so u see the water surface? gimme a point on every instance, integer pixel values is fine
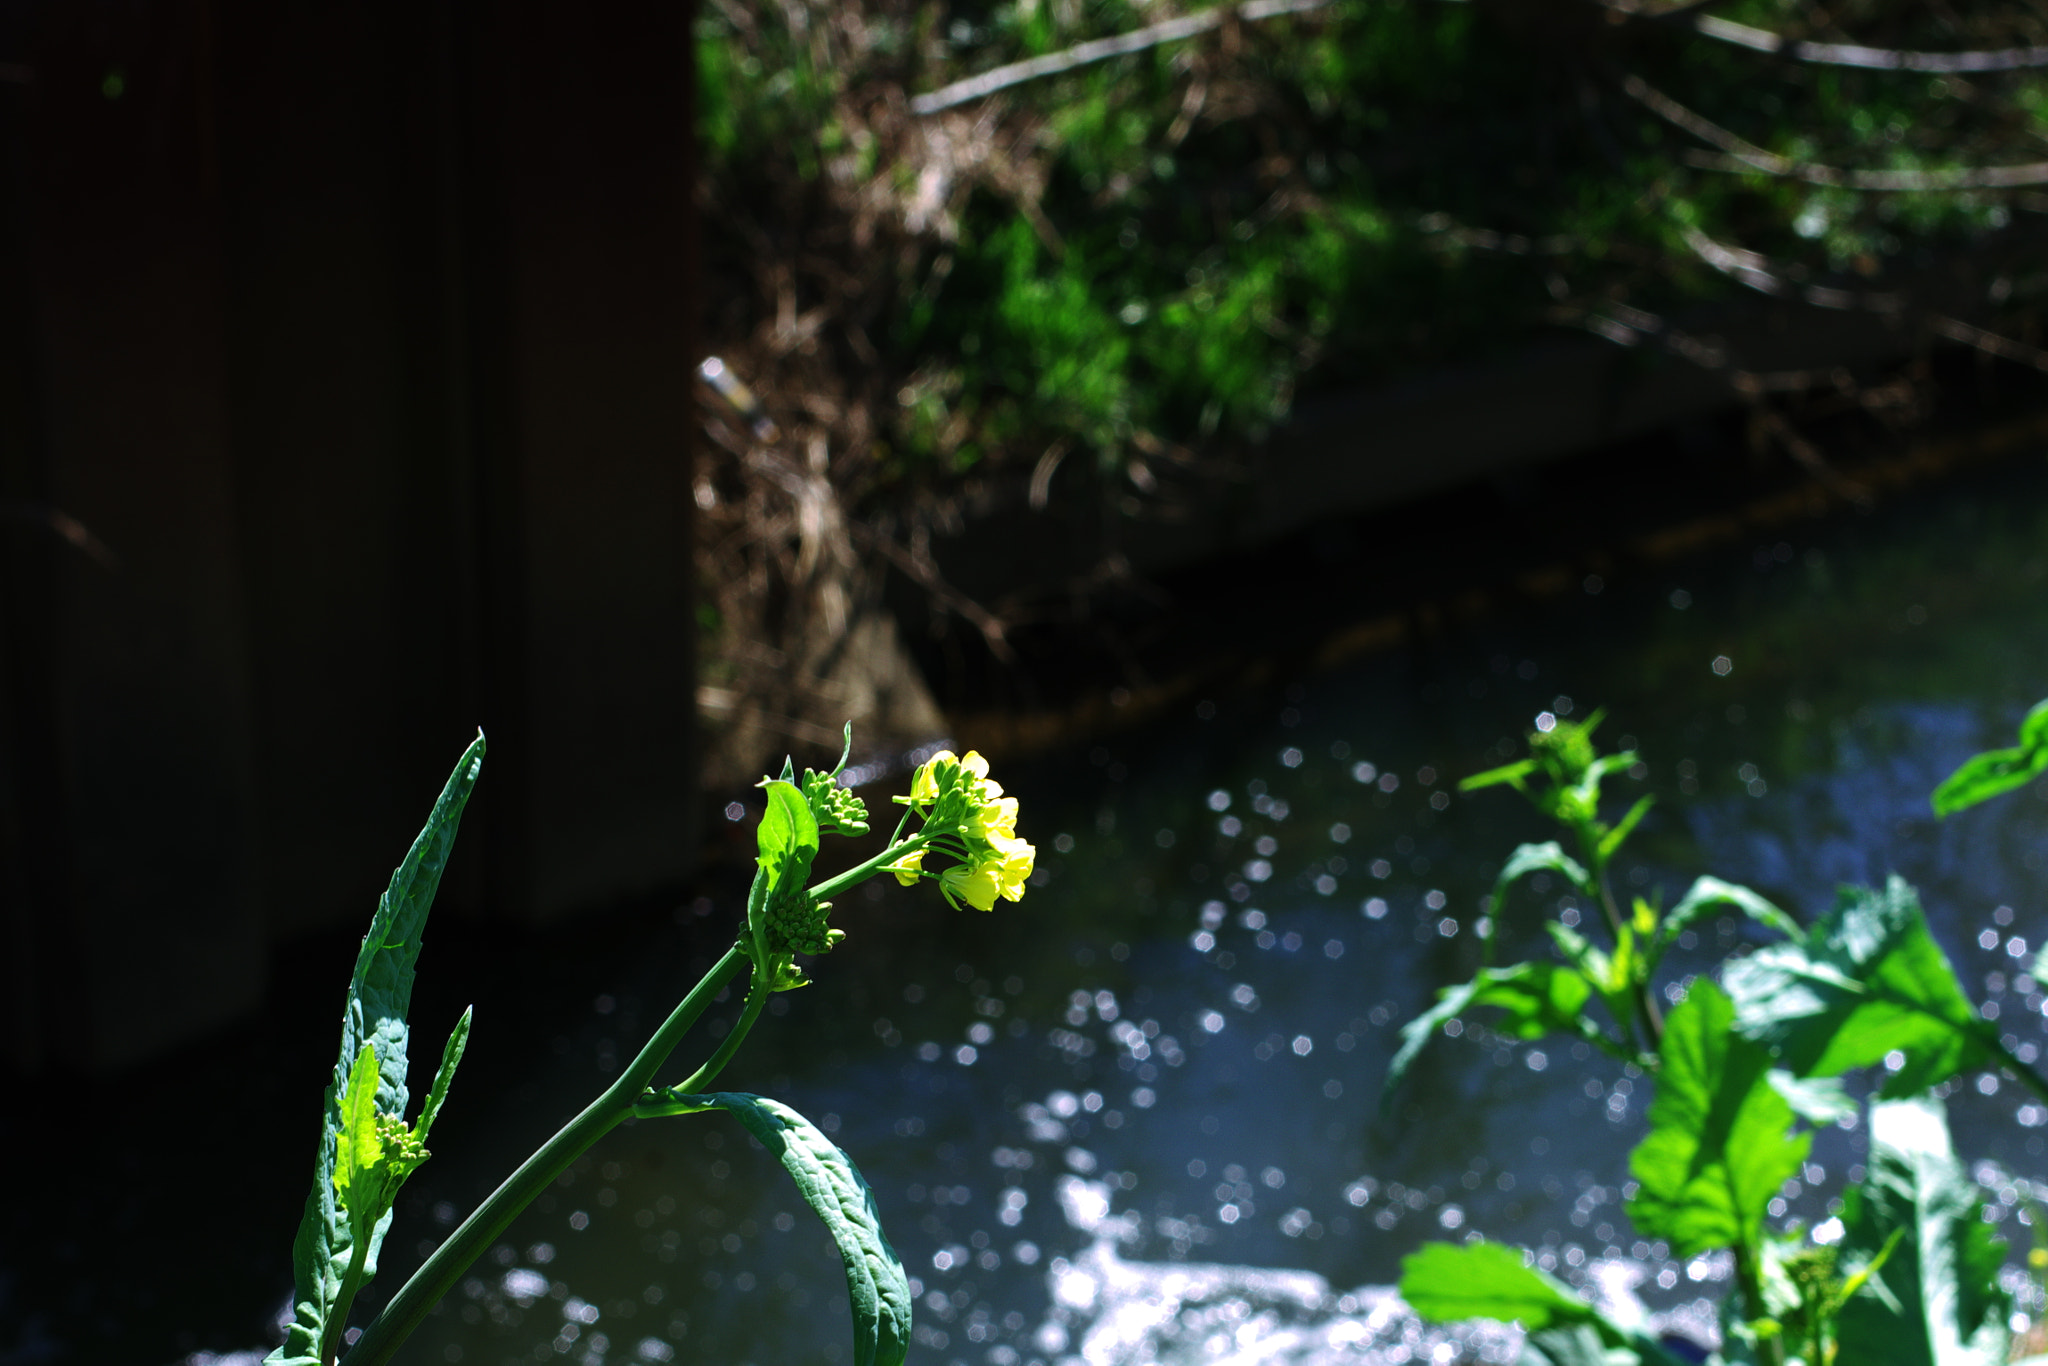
(1137, 1116)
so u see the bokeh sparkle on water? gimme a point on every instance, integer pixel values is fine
(1136, 1118)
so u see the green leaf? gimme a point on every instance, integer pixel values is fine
(1548, 857)
(451, 1057)
(1987, 775)
(1718, 1147)
(1624, 827)
(1538, 998)
(1447, 1283)
(788, 834)
(833, 1187)
(356, 1148)
(1710, 894)
(1867, 980)
(1942, 1305)
(1451, 1282)
(1506, 773)
(379, 992)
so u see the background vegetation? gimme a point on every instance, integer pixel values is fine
(1106, 276)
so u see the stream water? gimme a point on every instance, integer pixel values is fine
(1136, 1118)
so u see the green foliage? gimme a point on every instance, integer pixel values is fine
(1449, 1282)
(1938, 1302)
(832, 1186)
(330, 1251)
(1173, 244)
(781, 914)
(1537, 999)
(1708, 895)
(1987, 775)
(1719, 1144)
(368, 1150)
(1866, 981)
(1738, 1069)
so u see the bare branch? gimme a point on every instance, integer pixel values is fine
(1762, 275)
(1873, 58)
(1990, 343)
(1101, 49)
(1749, 156)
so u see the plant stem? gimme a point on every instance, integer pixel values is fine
(1770, 1350)
(1646, 1001)
(757, 996)
(861, 872)
(439, 1273)
(351, 1282)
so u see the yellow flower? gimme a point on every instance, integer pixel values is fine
(978, 787)
(907, 868)
(996, 821)
(979, 887)
(924, 785)
(1014, 870)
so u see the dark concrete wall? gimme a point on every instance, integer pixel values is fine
(344, 406)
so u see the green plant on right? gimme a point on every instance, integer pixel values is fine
(1744, 1069)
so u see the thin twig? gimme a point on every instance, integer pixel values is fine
(1749, 156)
(1101, 49)
(1873, 58)
(926, 575)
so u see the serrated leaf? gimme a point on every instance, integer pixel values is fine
(1451, 1282)
(1867, 980)
(1719, 1146)
(1987, 775)
(379, 992)
(1537, 998)
(356, 1148)
(831, 1184)
(1710, 894)
(1942, 1305)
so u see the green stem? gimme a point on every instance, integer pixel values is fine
(1770, 1350)
(1646, 1000)
(441, 1270)
(351, 1282)
(861, 872)
(757, 996)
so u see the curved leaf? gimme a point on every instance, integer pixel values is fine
(833, 1187)
(1539, 999)
(1449, 1282)
(379, 992)
(1709, 894)
(1987, 775)
(1547, 857)
(1446, 1283)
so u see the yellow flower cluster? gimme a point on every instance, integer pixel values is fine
(958, 792)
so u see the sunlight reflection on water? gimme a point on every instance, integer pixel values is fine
(1136, 1118)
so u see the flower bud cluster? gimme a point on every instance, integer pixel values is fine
(836, 809)
(796, 924)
